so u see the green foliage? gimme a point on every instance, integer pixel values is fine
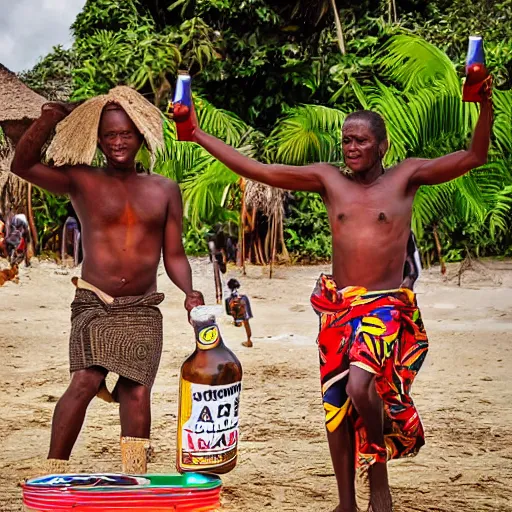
(137, 57)
(270, 80)
(195, 239)
(309, 133)
(447, 24)
(307, 232)
(52, 76)
(50, 213)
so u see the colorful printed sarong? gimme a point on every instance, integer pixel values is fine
(382, 333)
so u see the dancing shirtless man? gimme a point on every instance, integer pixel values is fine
(372, 341)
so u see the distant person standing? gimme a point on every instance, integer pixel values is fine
(71, 241)
(239, 307)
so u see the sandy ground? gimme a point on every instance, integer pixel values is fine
(463, 392)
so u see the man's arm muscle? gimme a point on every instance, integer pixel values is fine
(27, 157)
(309, 178)
(449, 167)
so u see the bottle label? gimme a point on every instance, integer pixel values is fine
(207, 425)
(208, 337)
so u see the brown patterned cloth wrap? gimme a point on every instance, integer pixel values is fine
(123, 335)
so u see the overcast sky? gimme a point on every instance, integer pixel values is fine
(30, 28)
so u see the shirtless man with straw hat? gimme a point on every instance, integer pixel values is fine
(128, 221)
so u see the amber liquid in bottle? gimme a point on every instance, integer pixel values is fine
(208, 415)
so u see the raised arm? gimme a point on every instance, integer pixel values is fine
(309, 178)
(449, 167)
(27, 157)
(176, 262)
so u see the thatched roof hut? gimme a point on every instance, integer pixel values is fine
(17, 101)
(19, 106)
(263, 200)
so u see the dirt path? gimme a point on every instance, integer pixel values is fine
(464, 392)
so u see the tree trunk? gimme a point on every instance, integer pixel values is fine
(339, 29)
(31, 220)
(273, 244)
(241, 232)
(392, 14)
(284, 250)
(439, 252)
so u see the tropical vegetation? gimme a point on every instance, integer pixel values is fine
(276, 79)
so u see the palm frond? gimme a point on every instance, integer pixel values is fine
(221, 123)
(482, 198)
(495, 182)
(309, 133)
(414, 64)
(415, 120)
(498, 217)
(430, 204)
(206, 192)
(503, 120)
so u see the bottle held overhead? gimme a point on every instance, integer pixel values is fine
(476, 70)
(182, 108)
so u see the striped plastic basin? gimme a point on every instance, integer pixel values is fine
(106, 492)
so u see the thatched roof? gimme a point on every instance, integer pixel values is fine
(17, 101)
(265, 199)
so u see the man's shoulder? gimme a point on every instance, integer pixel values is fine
(161, 181)
(82, 170)
(327, 167)
(410, 163)
(160, 184)
(405, 168)
(328, 172)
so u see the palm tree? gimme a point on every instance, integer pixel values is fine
(425, 117)
(212, 193)
(418, 92)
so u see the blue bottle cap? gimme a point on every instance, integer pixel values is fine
(183, 93)
(475, 51)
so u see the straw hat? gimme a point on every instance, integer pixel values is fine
(76, 138)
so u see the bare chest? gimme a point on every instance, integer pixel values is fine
(384, 206)
(110, 203)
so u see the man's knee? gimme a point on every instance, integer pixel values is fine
(133, 391)
(358, 385)
(85, 384)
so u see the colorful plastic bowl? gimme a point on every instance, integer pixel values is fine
(109, 492)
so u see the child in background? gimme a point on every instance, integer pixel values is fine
(239, 307)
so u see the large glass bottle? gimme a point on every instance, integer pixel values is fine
(209, 398)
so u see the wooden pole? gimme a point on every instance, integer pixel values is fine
(241, 236)
(31, 221)
(439, 252)
(272, 224)
(217, 279)
(273, 243)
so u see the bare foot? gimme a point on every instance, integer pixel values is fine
(247, 344)
(380, 495)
